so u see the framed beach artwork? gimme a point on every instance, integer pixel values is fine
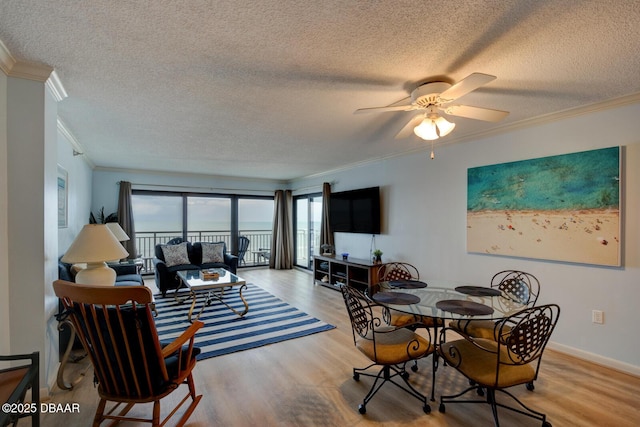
(561, 208)
(63, 197)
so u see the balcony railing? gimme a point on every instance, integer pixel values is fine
(146, 242)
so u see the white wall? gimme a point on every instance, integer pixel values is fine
(4, 230)
(80, 183)
(31, 215)
(424, 223)
(50, 237)
(79, 176)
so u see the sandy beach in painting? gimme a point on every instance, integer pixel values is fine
(585, 236)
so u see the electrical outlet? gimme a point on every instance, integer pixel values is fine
(597, 316)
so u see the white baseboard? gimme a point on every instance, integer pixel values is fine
(607, 362)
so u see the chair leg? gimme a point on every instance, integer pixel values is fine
(435, 362)
(192, 387)
(189, 411)
(362, 371)
(454, 398)
(97, 419)
(386, 375)
(491, 399)
(527, 411)
(155, 421)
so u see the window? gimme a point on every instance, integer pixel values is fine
(158, 219)
(161, 216)
(255, 221)
(209, 219)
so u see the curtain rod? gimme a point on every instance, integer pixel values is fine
(317, 187)
(197, 187)
(312, 187)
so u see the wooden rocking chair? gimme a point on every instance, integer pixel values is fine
(117, 329)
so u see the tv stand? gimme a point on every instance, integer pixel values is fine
(334, 272)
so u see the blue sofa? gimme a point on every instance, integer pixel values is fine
(166, 277)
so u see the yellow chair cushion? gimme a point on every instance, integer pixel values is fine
(487, 329)
(394, 346)
(400, 320)
(481, 366)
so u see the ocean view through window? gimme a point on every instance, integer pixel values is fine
(161, 216)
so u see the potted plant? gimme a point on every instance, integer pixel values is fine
(102, 219)
(377, 254)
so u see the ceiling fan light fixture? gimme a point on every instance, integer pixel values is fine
(444, 126)
(433, 127)
(426, 129)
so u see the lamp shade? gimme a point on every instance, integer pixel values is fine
(433, 127)
(444, 126)
(94, 245)
(426, 129)
(117, 231)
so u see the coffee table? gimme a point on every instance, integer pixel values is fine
(214, 288)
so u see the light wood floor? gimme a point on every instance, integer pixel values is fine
(308, 382)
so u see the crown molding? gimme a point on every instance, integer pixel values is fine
(55, 86)
(191, 175)
(622, 101)
(37, 72)
(7, 61)
(77, 148)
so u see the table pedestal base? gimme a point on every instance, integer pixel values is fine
(211, 296)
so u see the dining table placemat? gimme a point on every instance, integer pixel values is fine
(479, 291)
(398, 298)
(407, 284)
(466, 308)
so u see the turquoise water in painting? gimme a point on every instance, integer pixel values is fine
(586, 180)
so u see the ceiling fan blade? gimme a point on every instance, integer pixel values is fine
(385, 109)
(407, 130)
(466, 85)
(477, 113)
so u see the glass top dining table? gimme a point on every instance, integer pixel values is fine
(446, 300)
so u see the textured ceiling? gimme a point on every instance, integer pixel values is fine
(268, 88)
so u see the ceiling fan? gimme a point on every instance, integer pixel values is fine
(433, 97)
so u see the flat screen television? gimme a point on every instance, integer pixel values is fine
(355, 211)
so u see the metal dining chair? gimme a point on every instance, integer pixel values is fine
(402, 271)
(517, 286)
(513, 358)
(386, 346)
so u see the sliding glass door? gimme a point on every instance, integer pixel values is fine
(158, 219)
(162, 216)
(209, 219)
(255, 222)
(307, 216)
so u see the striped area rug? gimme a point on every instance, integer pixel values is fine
(269, 320)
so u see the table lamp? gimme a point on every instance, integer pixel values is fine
(117, 231)
(95, 244)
